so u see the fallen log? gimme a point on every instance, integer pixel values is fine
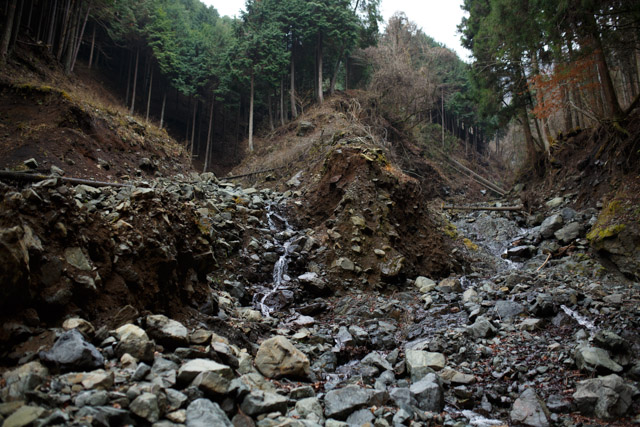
(483, 208)
(484, 184)
(224, 178)
(32, 177)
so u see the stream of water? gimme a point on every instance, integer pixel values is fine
(276, 223)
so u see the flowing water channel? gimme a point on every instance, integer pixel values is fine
(284, 236)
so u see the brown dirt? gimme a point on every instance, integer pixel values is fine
(76, 124)
(346, 170)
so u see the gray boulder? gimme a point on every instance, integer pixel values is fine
(550, 225)
(530, 410)
(146, 406)
(568, 233)
(167, 332)
(481, 328)
(205, 413)
(605, 397)
(260, 402)
(277, 357)
(595, 359)
(72, 353)
(420, 363)
(508, 309)
(340, 403)
(428, 393)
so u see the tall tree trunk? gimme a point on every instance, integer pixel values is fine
(612, 106)
(164, 102)
(67, 58)
(16, 26)
(29, 17)
(282, 101)
(193, 129)
(135, 83)
(270, 112)
(53, 25)
(566, 108)
(319, 66)
(336, 70)
(93, 44)
(292, 90)
(6, 35)
(126, 99)
(208, 149)
(251, 114)
(77, 49)
(442, 114)
(149, 96)
(39, 33)
(346, 73)
(64, 30)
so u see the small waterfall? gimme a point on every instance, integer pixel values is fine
(277, 222)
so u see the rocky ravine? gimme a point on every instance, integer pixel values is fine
(148, 335)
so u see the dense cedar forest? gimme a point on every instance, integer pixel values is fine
(540, 67)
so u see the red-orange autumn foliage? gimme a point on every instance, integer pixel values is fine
(551, 87)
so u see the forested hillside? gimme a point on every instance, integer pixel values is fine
(305, 216)
(213, 80)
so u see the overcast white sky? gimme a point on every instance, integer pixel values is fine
(437, 18)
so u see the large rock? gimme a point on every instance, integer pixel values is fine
(205, 413)
(568, 233)
(508, 309)
(595, 359)
(420, 363)
(605, 397)
(260, 402)
(530, 410)
(134, 341)
(342, 402)
(193, 368)
(72, 353)
(167, 332)
(21, 380)
(24, 416)
(428, 393)
(481, 328)
(146, 406)
(550, 225)
(277, 358)
(14, 267)
(310, 409)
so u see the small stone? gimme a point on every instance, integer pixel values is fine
(449, 285)
(76, 258)
(31, 163)
(193, 368)
(80, 324)
(345, 264)
(259, 402)
(424, 284)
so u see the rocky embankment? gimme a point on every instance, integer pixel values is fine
(195, 302)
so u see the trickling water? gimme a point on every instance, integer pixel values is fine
(277, 222)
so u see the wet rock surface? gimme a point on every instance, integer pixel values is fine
(214, 310)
